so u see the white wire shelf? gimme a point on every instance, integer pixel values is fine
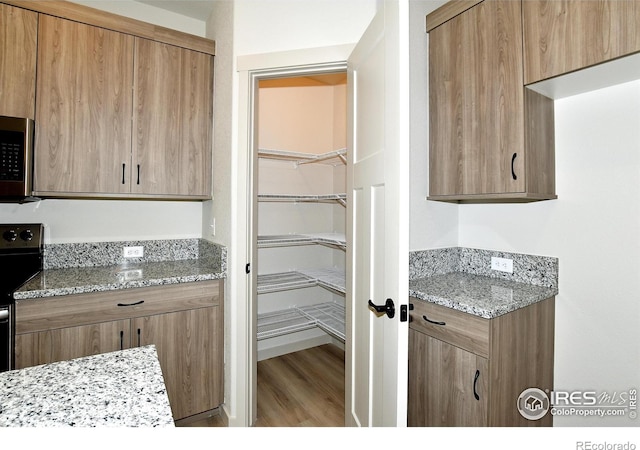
(325, 198)
(329, 278)
(286, 240)
(329, 317)
(335, 157)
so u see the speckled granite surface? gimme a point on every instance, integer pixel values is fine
(96, 254)
(200, 261)
(118, 389)
(462, 279)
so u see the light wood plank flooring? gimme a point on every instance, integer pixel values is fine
(301, 389)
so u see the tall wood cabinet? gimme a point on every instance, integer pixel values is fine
(184, 322)
(18, 37)
(172, 119)
(465, 370)
(83, 119)
(562, 36)
(489, 137)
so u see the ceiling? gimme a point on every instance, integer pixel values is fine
(197, 9)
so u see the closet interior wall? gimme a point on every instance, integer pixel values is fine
(305, 116)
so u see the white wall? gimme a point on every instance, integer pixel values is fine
(594, 229)
(148, 13)
(112, 220)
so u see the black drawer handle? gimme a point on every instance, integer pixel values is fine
(433, 321)
(513, 172)
(131, 304)
(475, 383)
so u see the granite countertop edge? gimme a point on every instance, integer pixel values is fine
(102, 279)
(472, 302)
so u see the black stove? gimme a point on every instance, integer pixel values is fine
(21, 254)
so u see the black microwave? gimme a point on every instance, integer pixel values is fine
(16, 159)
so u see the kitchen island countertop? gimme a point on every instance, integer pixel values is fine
(118, 389)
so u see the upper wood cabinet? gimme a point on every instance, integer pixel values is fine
(562, 36)
(172, 120)
(18, 37)
(123, 109)
(489, 137)
(83, 119)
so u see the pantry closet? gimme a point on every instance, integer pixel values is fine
(301, 213)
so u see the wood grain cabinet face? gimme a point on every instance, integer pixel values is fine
(485, 140)
(446, 385)
(562, 36)
(18, 37)
(184, 322)
(474, 378)
(119, 116)
(173, 116)
(83, 124)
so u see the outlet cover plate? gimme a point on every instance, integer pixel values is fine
(502, 264)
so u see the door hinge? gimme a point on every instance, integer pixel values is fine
(247, 268)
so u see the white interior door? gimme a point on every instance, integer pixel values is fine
(378, 220)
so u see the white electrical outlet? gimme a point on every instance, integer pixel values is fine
(213, 227)
(502, 264)
(133, 252)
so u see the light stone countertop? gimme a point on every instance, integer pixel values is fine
(478, 295)
(81, 280)
(117, 389)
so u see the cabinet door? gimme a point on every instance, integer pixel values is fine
(73, 342)
(18, 32)
(173, 119)
(83, 119)
(189, 349)
(561, 36)
(443, 383)
(477, 102)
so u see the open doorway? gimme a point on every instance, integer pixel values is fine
(299, 246)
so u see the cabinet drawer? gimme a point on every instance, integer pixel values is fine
(461, 329)
(82, 309)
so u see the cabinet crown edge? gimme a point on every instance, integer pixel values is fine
(104, 19)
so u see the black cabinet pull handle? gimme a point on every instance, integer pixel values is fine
(121, 340)
(475, 382)
(138, 337)
(433, 321)
(138, 182)
(123, 169)
(131, 304)
(388, 308)
(513, 172)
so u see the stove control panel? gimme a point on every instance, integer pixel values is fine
(21, 236)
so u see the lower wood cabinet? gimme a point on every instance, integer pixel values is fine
(183, 321)
(468, 371)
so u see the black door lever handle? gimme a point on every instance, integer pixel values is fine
(388, 308)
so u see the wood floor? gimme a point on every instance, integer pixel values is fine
(301, 389)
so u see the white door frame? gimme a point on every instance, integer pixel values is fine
(251, 69)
